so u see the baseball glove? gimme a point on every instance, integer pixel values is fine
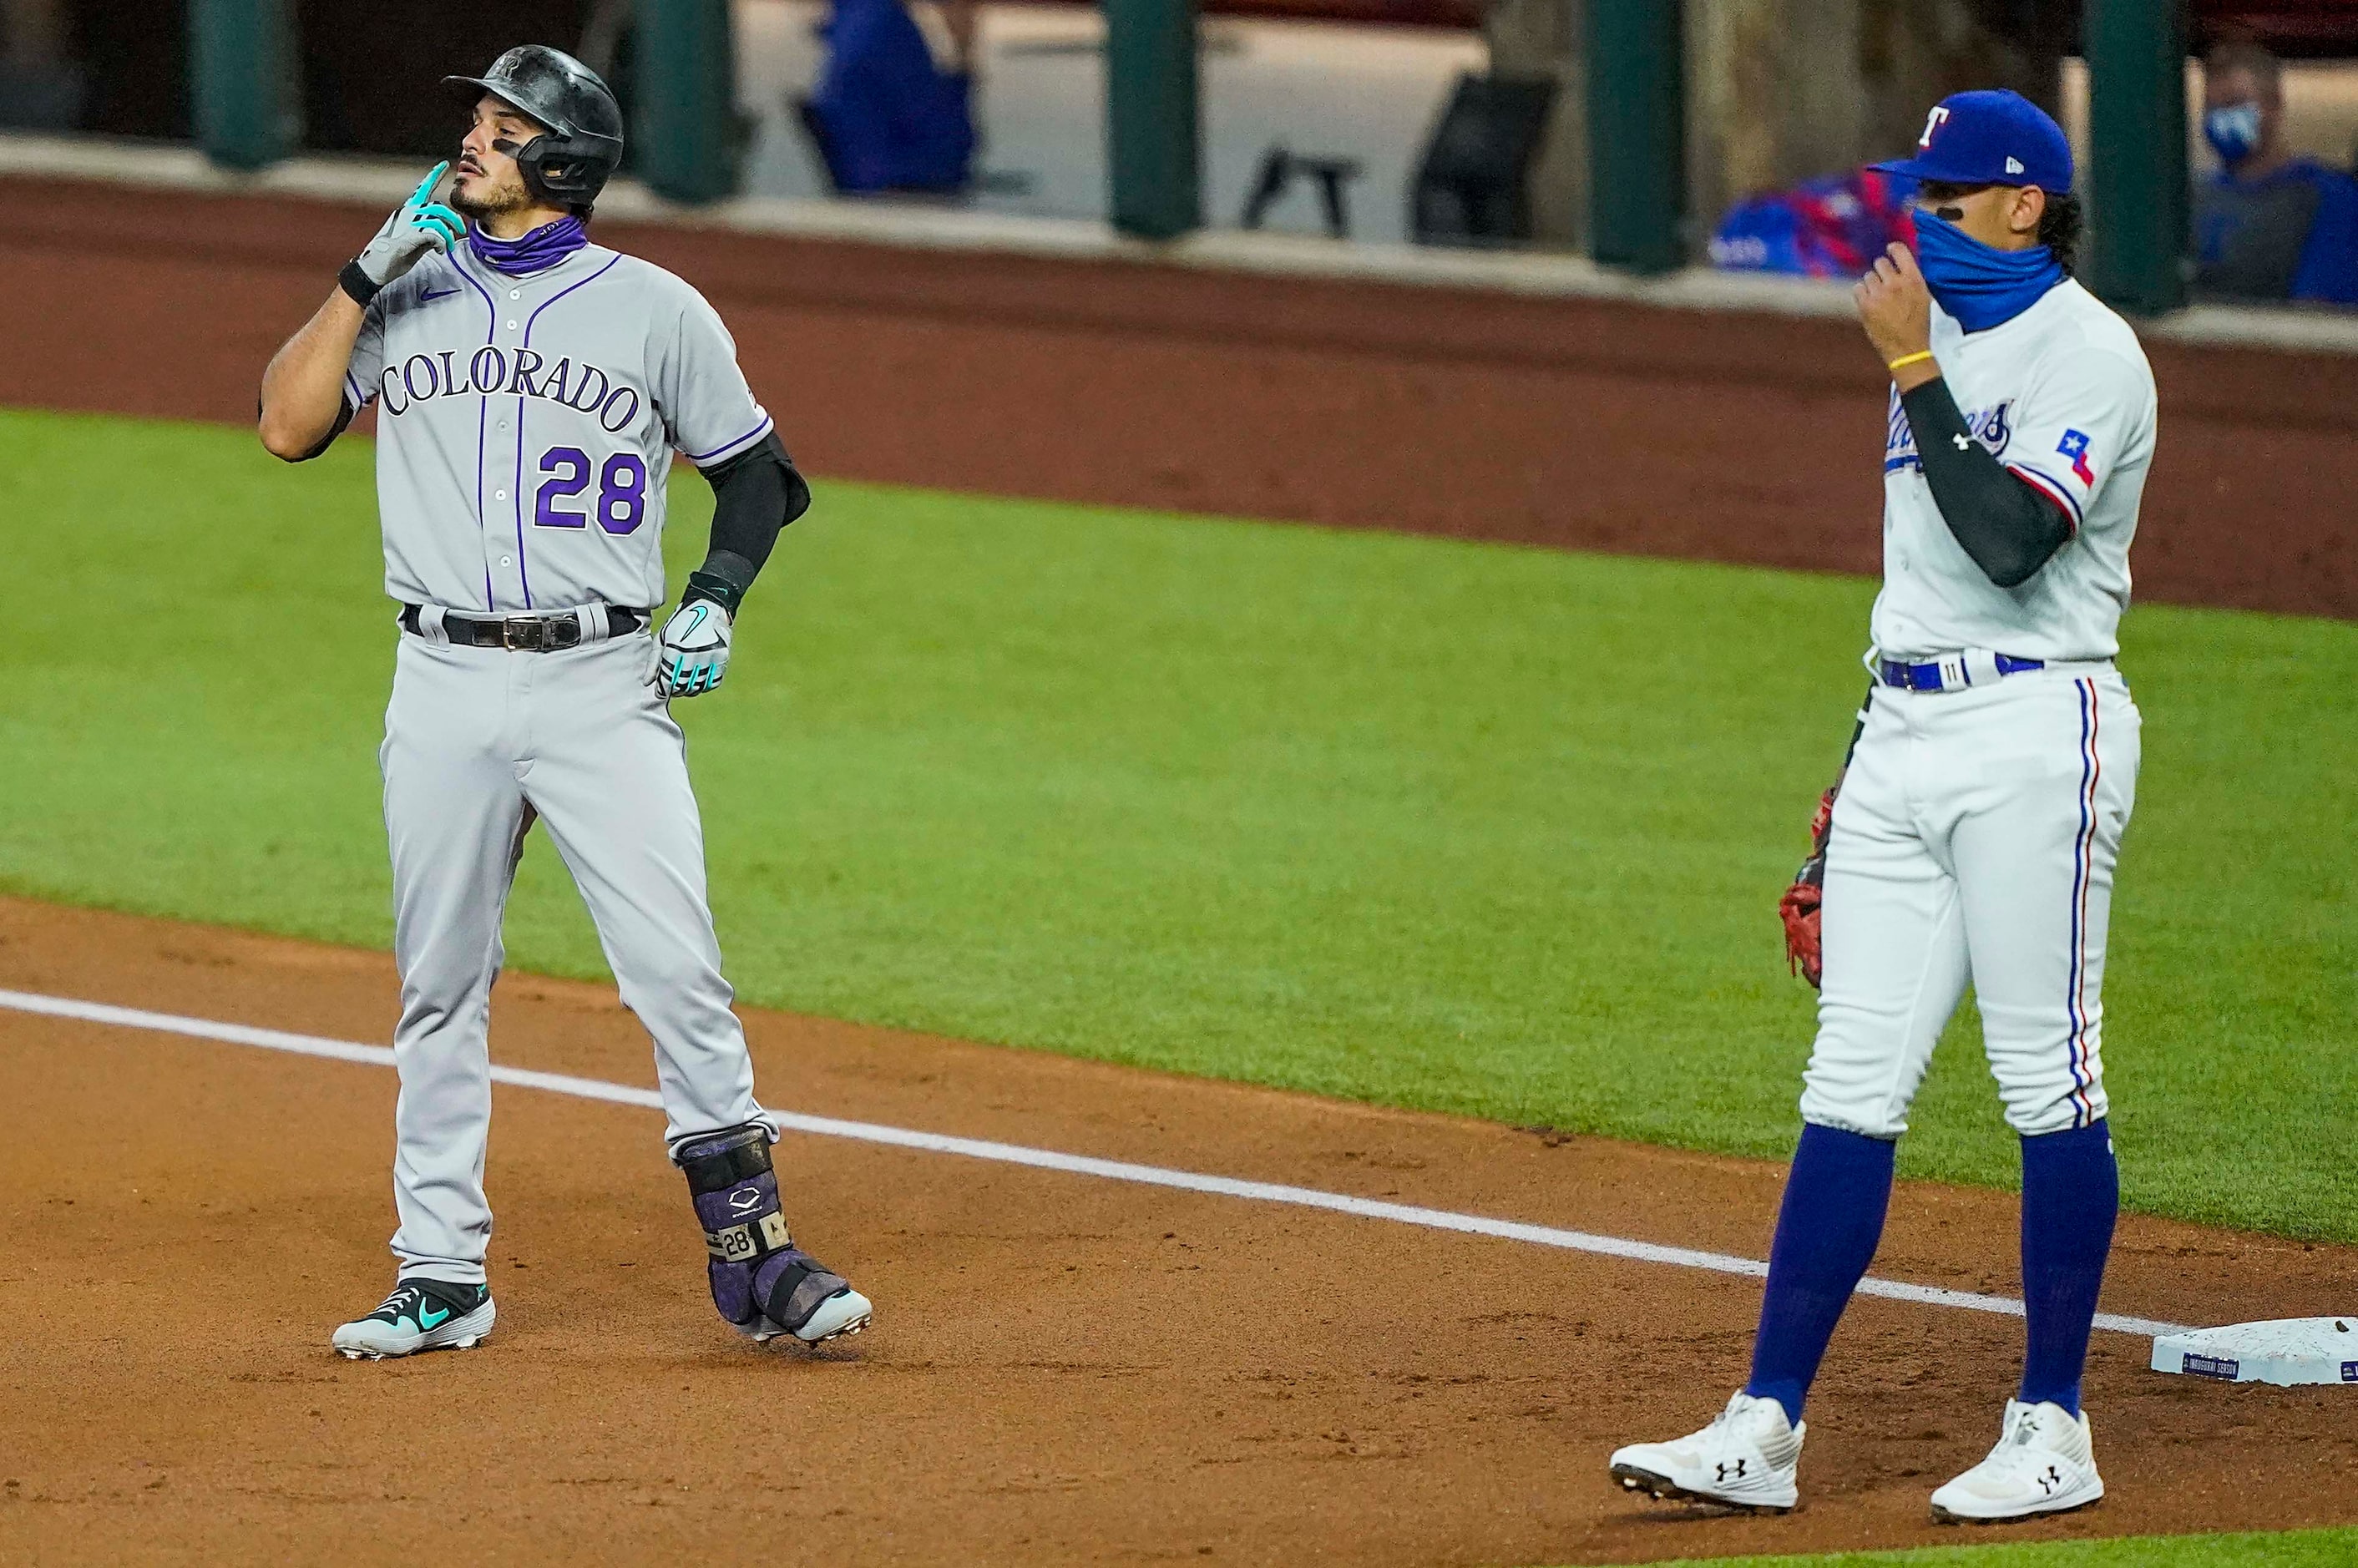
(1799, 908)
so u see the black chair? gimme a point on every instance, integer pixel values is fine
(1472, 185)
(1278, 167)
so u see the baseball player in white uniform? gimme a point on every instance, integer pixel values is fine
(530, 389)
(1974, 832)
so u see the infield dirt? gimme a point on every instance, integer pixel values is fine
(1063, 1368)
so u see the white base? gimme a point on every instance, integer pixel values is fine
(2284, 1351)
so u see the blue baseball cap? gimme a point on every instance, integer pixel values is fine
(1989, 137)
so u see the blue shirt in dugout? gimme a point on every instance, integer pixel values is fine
(2291, 234)
(891, 119)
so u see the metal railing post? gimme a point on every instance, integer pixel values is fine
(684, 140)
(242, 80)
(1152, 118)
(2137, 195)
(1637, 134)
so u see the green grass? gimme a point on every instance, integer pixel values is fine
(2291, 1549)
(1441, 825)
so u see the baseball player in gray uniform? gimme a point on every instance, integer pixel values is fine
(532, 387)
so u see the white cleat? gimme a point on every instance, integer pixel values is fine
(2045, 1462)
(841, 1315)
(1744, 1459)
(421, 1314)
(844, 1312)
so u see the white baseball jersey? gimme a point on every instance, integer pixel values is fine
(1977, 827)
(2062, 395)
(525, 427)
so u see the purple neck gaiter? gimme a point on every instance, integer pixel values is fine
(543, 248)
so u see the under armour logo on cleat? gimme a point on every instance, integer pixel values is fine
(1722, 1469)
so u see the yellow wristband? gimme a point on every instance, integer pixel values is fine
(1904, 360)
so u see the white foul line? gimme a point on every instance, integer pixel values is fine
(1052, 1159)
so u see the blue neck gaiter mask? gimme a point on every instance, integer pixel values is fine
(543, 248)
(1980, 285)
(2234, 132)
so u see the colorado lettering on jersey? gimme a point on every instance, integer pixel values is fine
(1992, 426)
(528, 419)
(457, 372)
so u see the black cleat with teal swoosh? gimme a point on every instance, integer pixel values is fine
(420, 1314)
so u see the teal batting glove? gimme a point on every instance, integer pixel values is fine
(417, 225)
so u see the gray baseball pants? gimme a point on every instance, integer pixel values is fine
(478, 744)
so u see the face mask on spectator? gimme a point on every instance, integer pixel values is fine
(1980, 285)
(2233, 132)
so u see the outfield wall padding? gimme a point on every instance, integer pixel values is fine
(1572, 423)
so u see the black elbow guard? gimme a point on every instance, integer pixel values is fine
(769, 452)
(798, 495)
(749, 487)
(754, 495)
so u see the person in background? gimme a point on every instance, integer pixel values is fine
(885, 117)
(2267, 225)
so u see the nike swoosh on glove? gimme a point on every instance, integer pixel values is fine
(417, 225)
(693, 655)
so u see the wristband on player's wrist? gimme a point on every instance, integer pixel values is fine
(1904, 360)
(357, 284)
(711, 586)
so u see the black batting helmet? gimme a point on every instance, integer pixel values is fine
(584, 140)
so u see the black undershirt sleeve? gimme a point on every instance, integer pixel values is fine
(2008, 528)
(754, 495)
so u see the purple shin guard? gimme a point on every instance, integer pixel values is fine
(762, 1283)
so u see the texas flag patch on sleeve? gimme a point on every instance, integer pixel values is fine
(2074, 445)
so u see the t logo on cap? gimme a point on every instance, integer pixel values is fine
(1989, 137)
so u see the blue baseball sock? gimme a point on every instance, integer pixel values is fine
(2071, 1195)
(1826, 1232)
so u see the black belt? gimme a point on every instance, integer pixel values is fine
(525, 634)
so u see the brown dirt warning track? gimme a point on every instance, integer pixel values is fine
(1064, 1368)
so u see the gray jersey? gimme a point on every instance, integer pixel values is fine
(526, 424)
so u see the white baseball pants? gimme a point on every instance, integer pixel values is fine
(480, 742)
(1973, 842)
